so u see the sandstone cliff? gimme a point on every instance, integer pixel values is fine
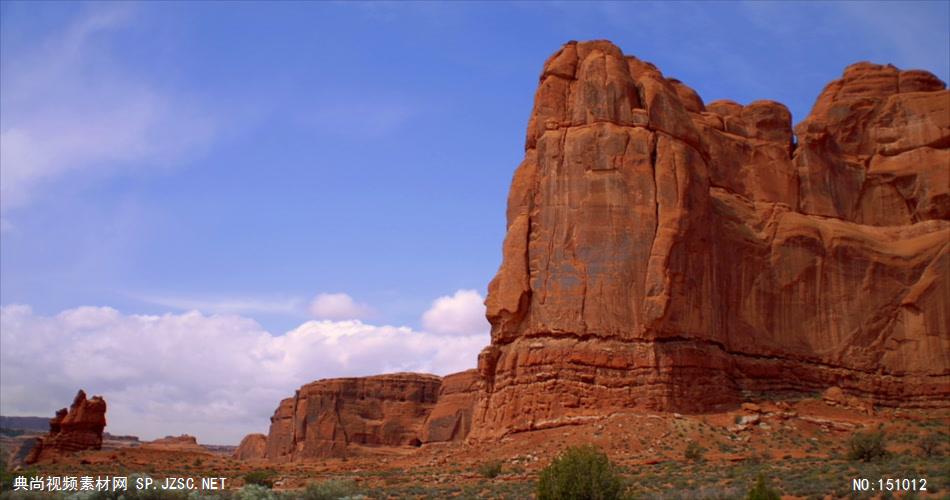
(330, 417)
(183, 442)
(76, 429)
(667, 254)
(252, 447)
(336, 417)
(670, 255)
(451, 417)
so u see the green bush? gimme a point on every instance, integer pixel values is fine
(930, 445)
(761, 491)
(332, 489)
(867, 446)
(694, 452)
(263, 478)
(580, 473)
(490, 469)
(253, 491)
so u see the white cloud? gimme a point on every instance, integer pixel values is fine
(459, 314)
(338, 306)
(231, 305)
(214, 376)
(69, 108)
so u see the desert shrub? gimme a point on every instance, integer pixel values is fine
(867, 446)
(332, 489)
(761, 490)
(263, 478)
(490, 469)
(24, 495)
(254, 491)
(132, 493)
(7, 476)
(694, 452)
(930, 445)
(580, 473)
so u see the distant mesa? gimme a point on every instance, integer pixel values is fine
(24, 423)
(183, 442)
(76, 429)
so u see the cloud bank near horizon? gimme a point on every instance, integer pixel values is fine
(217, 376)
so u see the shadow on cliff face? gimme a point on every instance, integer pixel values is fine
(669, 255)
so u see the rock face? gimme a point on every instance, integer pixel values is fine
(451, 418)
(331, 417)
(183, 442)
(252, 447)
(337, 417)
(667, 254)
(79, 428)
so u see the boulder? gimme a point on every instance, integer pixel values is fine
(834, 396)
(252, 447)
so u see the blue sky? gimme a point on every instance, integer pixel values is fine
(242, 159)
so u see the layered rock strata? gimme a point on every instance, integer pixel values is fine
(332, 417)
(183, 442)
(337, 417)
(666, 254)
(76, 429)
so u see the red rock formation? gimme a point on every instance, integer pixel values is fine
(252, 447)
(451, 418)
(336, 417)
(875, 148)
(666, 254)
(79, 428)
(331, 417)
(183, 442)
(834, 396)
(671, 255)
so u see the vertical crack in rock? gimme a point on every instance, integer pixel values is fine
(671, 255)
(773, 256)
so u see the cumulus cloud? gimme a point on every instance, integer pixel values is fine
(215, 376)
(71, 108)
(337, 306)
(459, 314)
